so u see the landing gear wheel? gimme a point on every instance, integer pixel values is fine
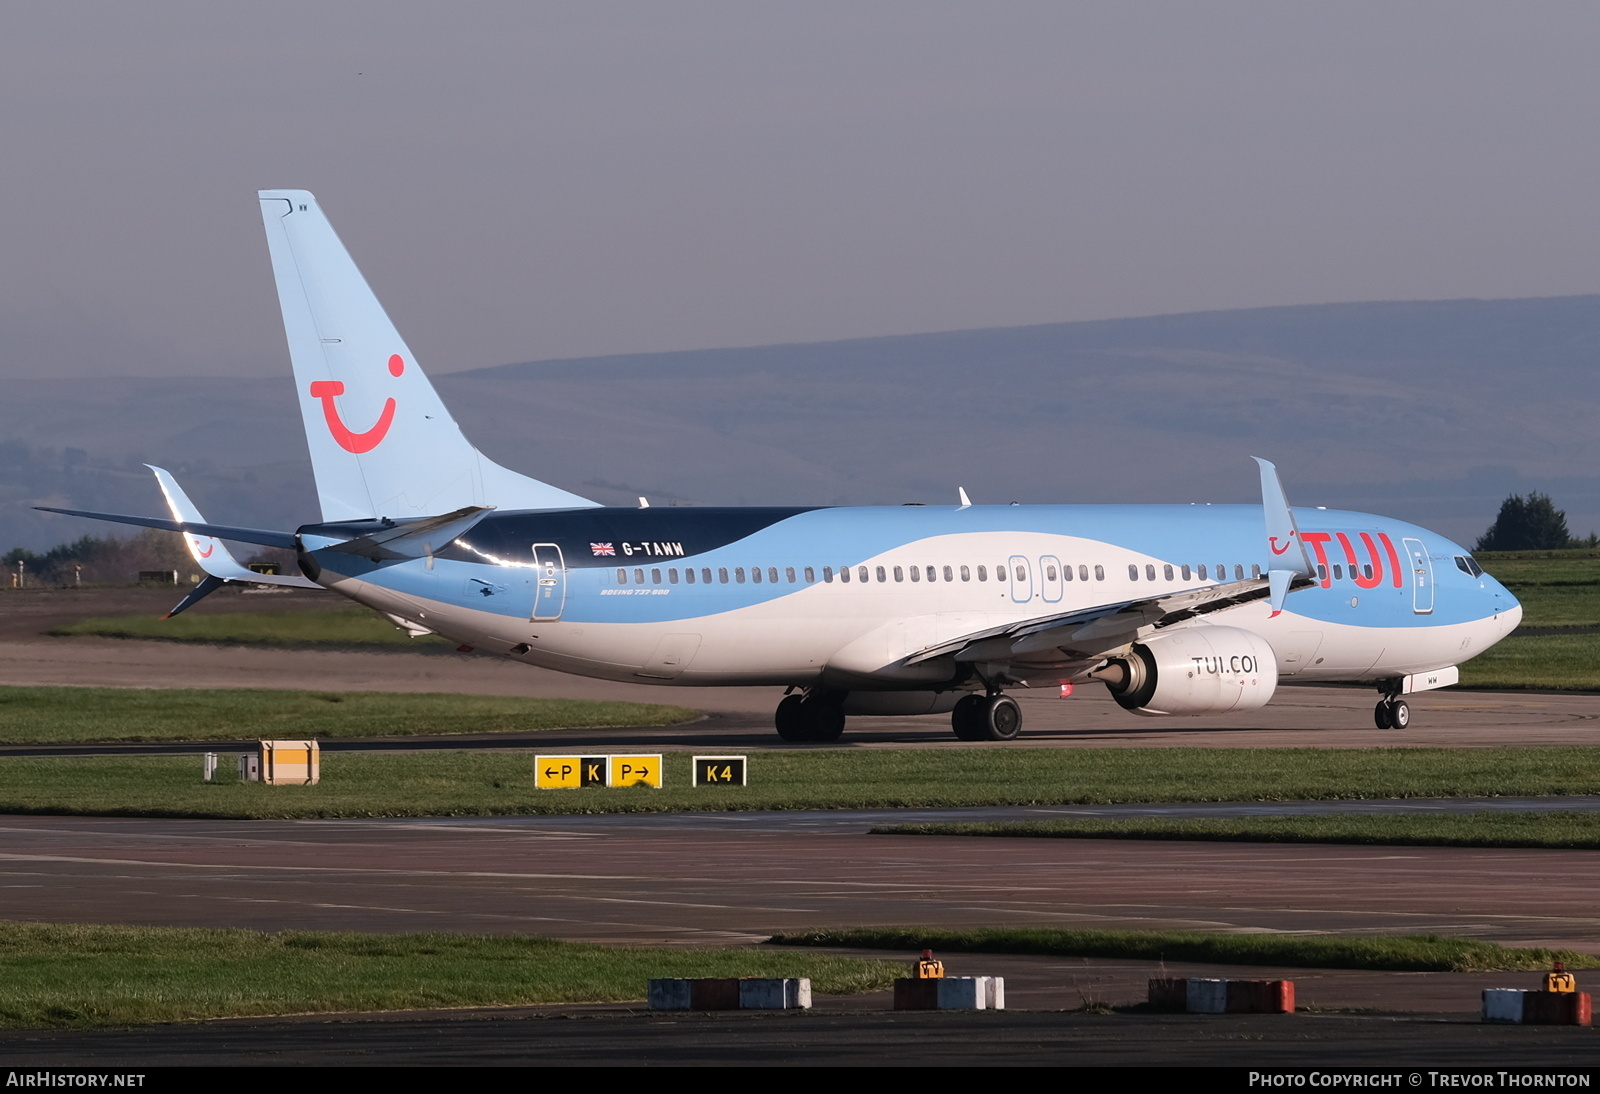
(1380, 715)
(807, 718)
(1002, 719)
(1399, 714)
(966, 718)
(790, 718)
(823, 721)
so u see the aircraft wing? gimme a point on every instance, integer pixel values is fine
(1087, 633)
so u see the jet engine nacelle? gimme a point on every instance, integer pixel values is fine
(1197, 670)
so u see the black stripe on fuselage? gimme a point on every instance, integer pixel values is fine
(631, 534)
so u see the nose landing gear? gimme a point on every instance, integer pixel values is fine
(1392, 712)
(986, 718)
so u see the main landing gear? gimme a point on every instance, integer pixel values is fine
(810, 717)
(1391, 713)
(986, 718)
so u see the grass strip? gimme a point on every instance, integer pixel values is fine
(501, 782)
(70, 975)
(344, 626)
(1398, 953)
(1565, 830)
(1545, 663)
(53, 715)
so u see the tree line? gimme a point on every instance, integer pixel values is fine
(1531, 523)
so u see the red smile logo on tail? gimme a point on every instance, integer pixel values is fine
(1272, 541)
(347, 438)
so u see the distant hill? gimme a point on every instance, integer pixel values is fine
(1429, 411)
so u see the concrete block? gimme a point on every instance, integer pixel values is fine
(1556, 1008)
(1206, 996)
(1169, 993)
(1502, 1004)
(766, 993)
(714, 993)
(961, 993)
(911, 993)
(668, 994)
(1260, 996)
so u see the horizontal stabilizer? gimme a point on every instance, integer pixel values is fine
(209, 552)
(412, 538)
(222, 531)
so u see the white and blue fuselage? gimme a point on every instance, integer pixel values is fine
(838, 597)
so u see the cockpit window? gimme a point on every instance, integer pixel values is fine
(1469, 566)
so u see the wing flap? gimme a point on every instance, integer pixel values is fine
(1090, 631)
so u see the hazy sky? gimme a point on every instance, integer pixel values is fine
(530, 180)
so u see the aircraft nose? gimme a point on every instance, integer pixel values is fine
(1508, 610)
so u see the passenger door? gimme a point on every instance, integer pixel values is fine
(550, 581)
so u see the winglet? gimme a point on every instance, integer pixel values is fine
(209, 552)
(966, 502)
(1287, 558)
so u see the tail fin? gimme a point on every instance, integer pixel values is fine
(382, 444)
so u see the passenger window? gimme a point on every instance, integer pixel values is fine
(1083, 573)
(882, 577)
(983, 574)
(638, 577)
(1149, 571)
(1049, 572)
(722, 574)
(655, 575)
(672, 575)
(788, 574)
(1133, 572)
(755, 574)
(1238, 572)
(844, 574)
(827, 574)
(1322, 572)
(916, 573)
(1166, 571)
(966, 574)
(932, 575)
(1099, 573)
(811, 576)
(1066, 572)
(705, 575)
(1202, 571)
(688, 574)
(949, 574)
(1338, 572)
(772, 574)
(1187, 573)
(1366, 571)
(1255, 570)
(622, 577)
(861, 572)
(738, 575)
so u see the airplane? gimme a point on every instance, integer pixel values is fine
(916, 609)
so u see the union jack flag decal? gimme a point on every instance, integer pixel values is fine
(602, 549)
